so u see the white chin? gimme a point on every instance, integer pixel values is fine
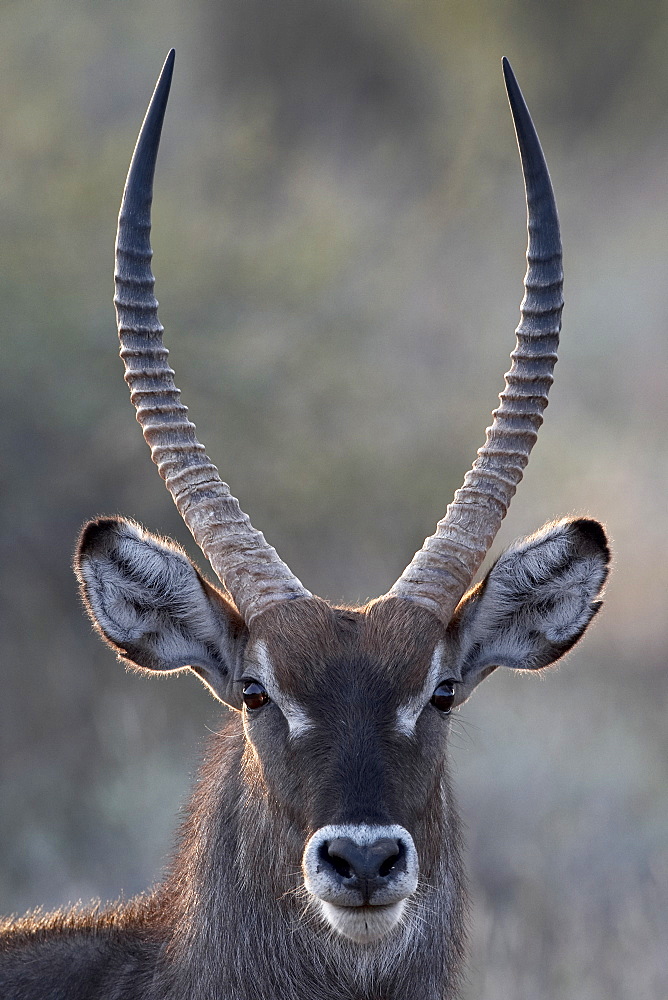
(362, 923)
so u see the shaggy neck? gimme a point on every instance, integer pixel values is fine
(243, 926)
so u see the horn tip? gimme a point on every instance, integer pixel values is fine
(167, 69)
(512, 86)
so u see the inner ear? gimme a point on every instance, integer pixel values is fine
(149, 602)
(535, 602)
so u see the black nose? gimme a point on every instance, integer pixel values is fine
(364, 867)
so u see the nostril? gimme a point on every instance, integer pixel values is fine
(389, 863)
(332, 858)
(386, 855)
(341, 867)
(341, 854)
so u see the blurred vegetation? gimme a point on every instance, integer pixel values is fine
(338, 242)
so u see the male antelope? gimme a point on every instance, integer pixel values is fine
(320, 857)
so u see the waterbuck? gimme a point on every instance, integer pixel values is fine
(320, 855)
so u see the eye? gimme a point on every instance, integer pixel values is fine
(254, 695)
(444, 696)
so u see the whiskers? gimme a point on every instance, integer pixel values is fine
(421, 912)
(462, 732)
(296, 891)
(223, 735)
(304, 913)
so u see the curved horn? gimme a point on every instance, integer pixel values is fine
(249, 568)
(442, 570)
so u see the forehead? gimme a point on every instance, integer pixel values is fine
(309, 643)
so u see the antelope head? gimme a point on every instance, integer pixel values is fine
(345, 712)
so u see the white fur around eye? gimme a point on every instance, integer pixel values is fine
(410, 711)
(259, 664)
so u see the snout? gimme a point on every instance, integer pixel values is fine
(361, 876)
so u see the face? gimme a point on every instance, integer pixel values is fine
(350, 738)
(346, 712)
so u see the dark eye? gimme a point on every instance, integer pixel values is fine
(255, 696)
(444, 696)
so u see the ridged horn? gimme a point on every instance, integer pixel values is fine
(443, 569)
(249, 568)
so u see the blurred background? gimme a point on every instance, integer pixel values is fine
(339, 236)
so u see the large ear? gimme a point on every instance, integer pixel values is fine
(149, 602)
(535, 602)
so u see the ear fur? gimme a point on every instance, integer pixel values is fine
(149, 602)
(535, 602)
